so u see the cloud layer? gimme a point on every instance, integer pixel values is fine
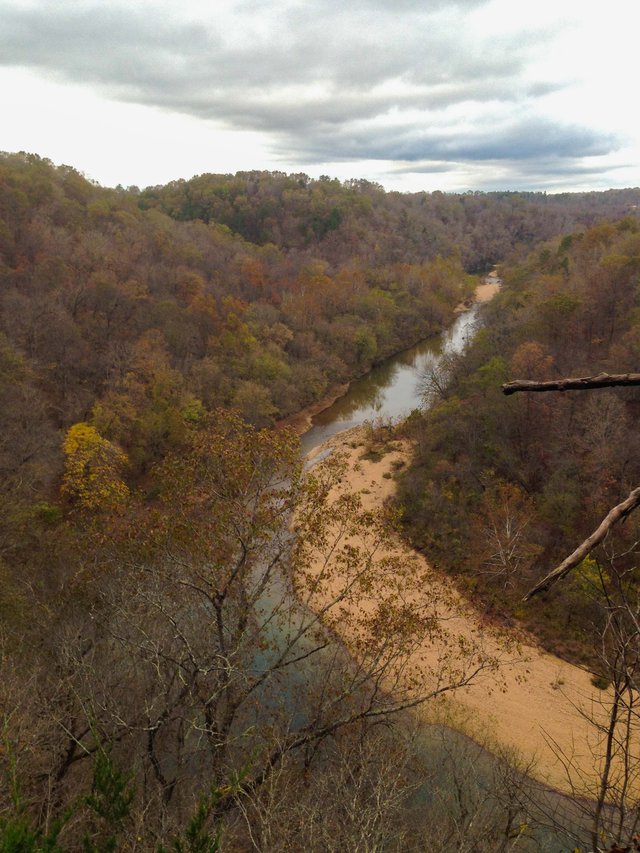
(413, 81)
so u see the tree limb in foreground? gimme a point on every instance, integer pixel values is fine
(618, 513)
(583, 383)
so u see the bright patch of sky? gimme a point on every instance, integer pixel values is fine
(414, 94)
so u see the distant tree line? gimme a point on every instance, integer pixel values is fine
(167, 679)
(335, 220)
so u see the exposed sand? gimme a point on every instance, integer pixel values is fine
(486, 291)
(534, 700)
(489, 287)
(303, 420)
(536, 704)
(483, 292)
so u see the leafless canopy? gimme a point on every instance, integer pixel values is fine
(618, 512)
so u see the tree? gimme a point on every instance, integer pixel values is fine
(93, 468)
(617, 513)
(606, 795)
(501, 536)
(200, 638)
(611, 806)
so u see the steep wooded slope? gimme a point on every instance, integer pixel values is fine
(502, 488)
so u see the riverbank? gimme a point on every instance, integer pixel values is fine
(486, 291)
(536, 704)
(302, 421)
(483, 292)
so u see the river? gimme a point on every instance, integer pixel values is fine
(392, 389)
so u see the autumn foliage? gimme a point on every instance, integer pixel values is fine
(93, 467)
(503, 488)
(172, 588)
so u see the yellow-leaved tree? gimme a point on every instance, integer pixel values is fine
(93, 470)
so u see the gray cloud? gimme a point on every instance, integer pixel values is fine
(526, 139)
(550, 168)
(551, 173)
(124, 47)
(375, 80)
(546, 176)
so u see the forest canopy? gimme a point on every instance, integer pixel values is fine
(503, 488)
(159, 545)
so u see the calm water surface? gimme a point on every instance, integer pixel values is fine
(392, 389)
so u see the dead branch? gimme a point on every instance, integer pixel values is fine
(584, 383)
(618, 513)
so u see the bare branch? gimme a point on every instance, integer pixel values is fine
(618, 513)
(583, 383)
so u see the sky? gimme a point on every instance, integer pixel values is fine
(450, 95)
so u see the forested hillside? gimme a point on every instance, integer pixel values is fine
(503, 488)
(97, 290)
(167, 682)
(335, 220)
(138, 324)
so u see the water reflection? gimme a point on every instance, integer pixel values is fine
(392, 389)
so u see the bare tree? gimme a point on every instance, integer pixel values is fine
(356, 799)
(476, 801)
(200, 640)
(610, 805)
(617, 513)
(501, 535)
(606, 795)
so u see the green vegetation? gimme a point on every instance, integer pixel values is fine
(502, 489)
(169, 682)
(332, 219)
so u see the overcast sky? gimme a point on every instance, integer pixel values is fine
(415, 94)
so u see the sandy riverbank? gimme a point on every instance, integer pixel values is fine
(534, 702)
(302, 420)
(486, 291)
(483, 292)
